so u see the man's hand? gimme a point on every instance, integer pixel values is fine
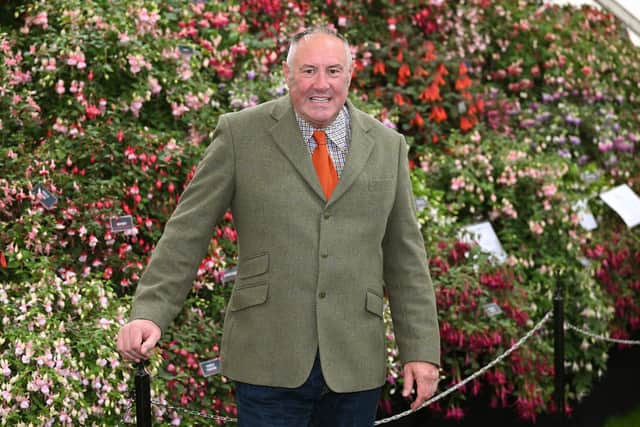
(425, 375)
(137, 338)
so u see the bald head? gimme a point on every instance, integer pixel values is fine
(308, 33)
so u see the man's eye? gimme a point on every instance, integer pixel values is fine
(307, 71)
(335, 71)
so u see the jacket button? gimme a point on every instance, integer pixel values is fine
(327, 215)
(324, 255)
(321, 295)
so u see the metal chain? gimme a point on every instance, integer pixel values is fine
(194, 413)
(601, 337)
(473, 376)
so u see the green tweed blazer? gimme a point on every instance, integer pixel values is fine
(312, 272)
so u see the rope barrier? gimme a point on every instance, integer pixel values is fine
(473, 376)
(601, 337)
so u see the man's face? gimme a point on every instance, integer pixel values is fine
(318, 78)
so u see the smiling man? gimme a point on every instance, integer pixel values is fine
(321, 199)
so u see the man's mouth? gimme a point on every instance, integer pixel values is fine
(319, 99)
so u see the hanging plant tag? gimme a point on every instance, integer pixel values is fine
(230, 275)
(45, 198)
(210, 367)
(492, 309)
(121, 223)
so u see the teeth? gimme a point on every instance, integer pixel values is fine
(319, 99)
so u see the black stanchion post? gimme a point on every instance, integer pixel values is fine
(143, 397)
(558, 352)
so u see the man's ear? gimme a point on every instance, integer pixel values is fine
(285, 70)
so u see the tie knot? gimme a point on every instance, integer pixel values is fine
(320, 136)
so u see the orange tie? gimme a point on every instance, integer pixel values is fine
(327, 174)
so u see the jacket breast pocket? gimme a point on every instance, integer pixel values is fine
(249, 296)
(382, 184)
(374, 303)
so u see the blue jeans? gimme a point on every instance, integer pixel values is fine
(310, 405)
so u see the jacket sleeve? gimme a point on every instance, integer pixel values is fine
(407, 278)
(169, 275)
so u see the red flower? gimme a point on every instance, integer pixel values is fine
(431, 93)
(92, 111)
(378, 68)
(466, 123)
(421, 72)
(398, 100)
(430, 53)
(3, 260)
(418, 120)
(463, 83)
(438, 114)
(442, 70)
(239, 49)
(403, 74)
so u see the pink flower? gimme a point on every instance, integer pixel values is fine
(136, 63)
(136, 106)
(178, 109)
(145, 21)
(536, 228)
(220, 20)
(457, 183)
(24, 403)
(154, 85)
(4, 367)
(239, 49)
(605, 146)
(549, 190)
(77, 60)
(41, 20)
(49, 64)
(92, 111)
(391, 24)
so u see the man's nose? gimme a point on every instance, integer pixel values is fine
(321, 81)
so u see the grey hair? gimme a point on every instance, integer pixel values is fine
(293, 44)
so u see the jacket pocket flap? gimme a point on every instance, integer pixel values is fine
(253, 266)
(249, 296)
(374, 304)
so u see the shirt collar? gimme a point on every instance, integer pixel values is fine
(338, 131)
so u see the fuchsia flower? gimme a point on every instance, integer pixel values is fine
(549, 190)
(77, 60)
(92, 111)
(220, 20)
(60, 87)
(137, 63)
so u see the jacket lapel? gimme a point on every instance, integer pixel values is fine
(288, 138)
(359, 151)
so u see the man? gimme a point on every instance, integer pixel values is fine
(326, 222)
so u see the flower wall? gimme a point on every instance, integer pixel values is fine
(514, 112)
